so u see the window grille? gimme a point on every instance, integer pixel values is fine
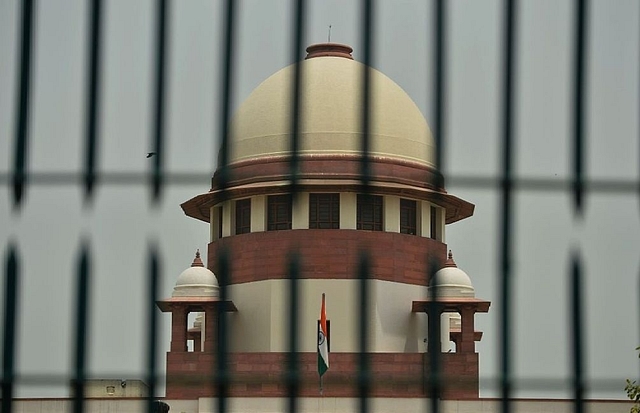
(324, 211)
(370, 213)
(279, 212)
(408, 217)
(243, 216)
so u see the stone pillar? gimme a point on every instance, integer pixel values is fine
(467, 337)
(210, 329)
(179, 329)
(434, 337)
(197, 343)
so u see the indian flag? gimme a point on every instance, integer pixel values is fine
(323, 348)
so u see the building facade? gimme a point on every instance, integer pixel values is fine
(398, 221)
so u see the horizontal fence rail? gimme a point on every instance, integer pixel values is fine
(20, 180)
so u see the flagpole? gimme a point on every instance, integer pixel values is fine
(323, 351)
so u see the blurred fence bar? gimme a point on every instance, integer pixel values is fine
(11, 296)
(577, 334)
(82, 311)
(506, 205)
(22, 110)
(579, 96)
(162, 34)
(93, 99)
(153, 289)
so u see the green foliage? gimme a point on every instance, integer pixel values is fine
(633, 391)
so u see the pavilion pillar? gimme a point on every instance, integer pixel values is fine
(434, 337)
(197, 342)
(179, 328)
(210, 329)
(467, 337)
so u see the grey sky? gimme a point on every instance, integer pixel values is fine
(49, 228)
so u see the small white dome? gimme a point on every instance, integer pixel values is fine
(452, 281)
(196, 281)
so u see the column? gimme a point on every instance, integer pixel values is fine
(391, 211)
(196, 343)
(467, 337)
(434, 335)
(179, 328)
(210, 329)
(348, 210)
(258, 213)
(300, 211)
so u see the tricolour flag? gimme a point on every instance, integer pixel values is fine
(323, 348)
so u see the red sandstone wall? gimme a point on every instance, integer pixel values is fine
(328, 254)
(262, 375)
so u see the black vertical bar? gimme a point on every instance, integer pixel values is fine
(439, 70)
(81, 317)
(296, 48)
(9, 331)
(506, 227)
(434, 341)
(293, 368)
(367, 52)
(226, 79)
(91, 137)
(579, 97)
(22, 121)
(221, 377)
(153, 288)
(297, 41)
(364, 371)
(577, 334)
(159, 101)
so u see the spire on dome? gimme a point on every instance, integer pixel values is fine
(450, 262)
(197, 262)
(329, 49)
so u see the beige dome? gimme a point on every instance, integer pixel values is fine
(196, 281)
(330, 113)
(452, 281)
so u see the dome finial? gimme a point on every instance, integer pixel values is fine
(197, 262)
(329, 49)
(450, 262)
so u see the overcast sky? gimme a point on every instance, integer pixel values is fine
(121, 222)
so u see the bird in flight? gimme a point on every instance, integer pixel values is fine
(150, 154)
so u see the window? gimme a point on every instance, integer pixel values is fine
(243, 216)
(278, 212)
(407, 217)
(369, 216)
(434, 222)
(219, 222)
(324, 211)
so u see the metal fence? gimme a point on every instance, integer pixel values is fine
(20, 180)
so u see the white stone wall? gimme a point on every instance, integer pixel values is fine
(319, 405)
(261, 323)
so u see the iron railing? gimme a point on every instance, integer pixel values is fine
(20, 179)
